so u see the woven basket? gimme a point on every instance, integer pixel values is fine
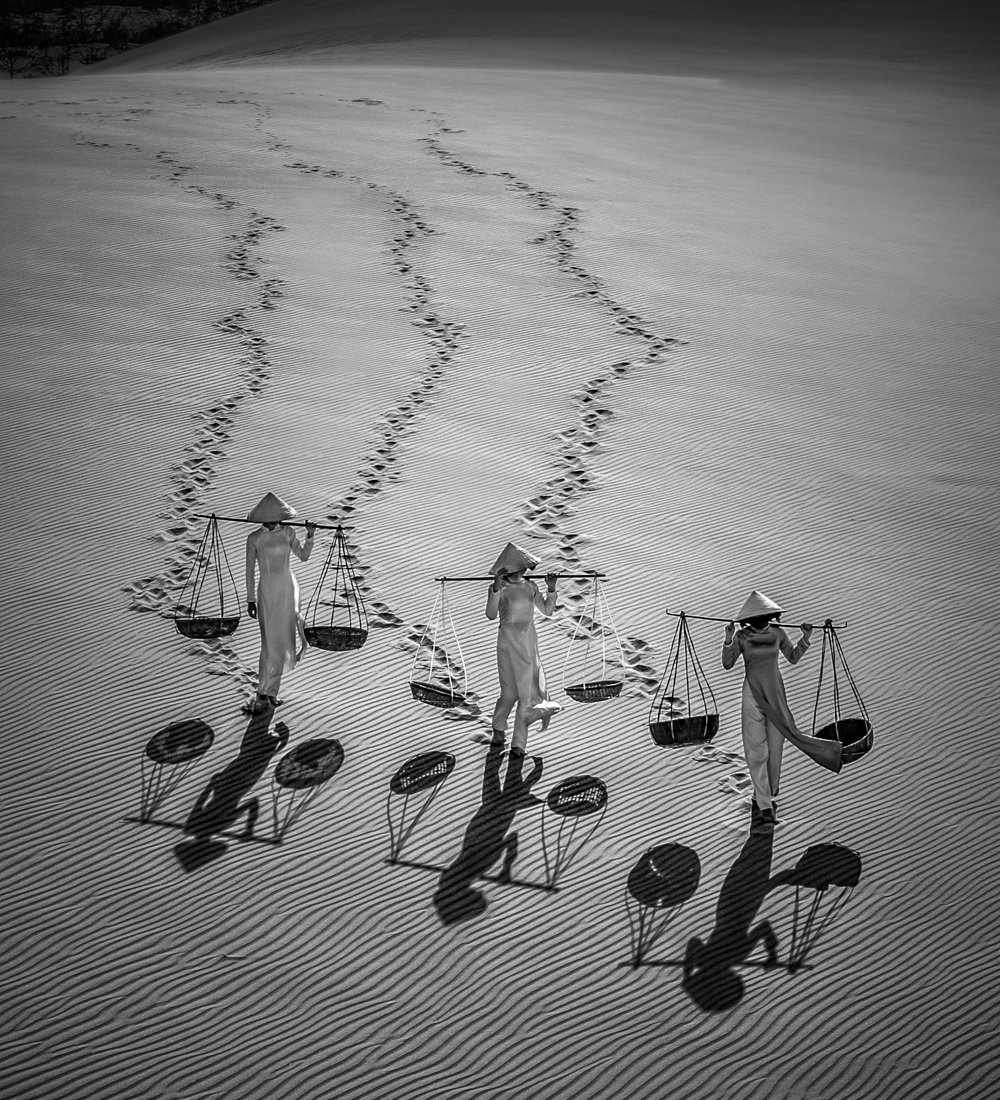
(203, 627)
(309, 764)
(180, 742)
(685, 731)
(665, 875)
(435, 695)
(855, 734)
(595, 690)
(337, 639)
(578, 795)
(422, 772)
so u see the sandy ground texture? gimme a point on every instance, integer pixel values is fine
(696, 318)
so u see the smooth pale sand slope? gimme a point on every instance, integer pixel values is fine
(414, 294)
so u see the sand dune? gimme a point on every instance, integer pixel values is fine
(635, 36)
(708, 324)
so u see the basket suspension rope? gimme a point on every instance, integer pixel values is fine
(417, 654)
(217, 540)
(687, 666)
(223, 554)
(345, 597)
(594, 619)
(676, 718)
(207, 563)
(848, 676)
(441, 623)
(458, 642)
(855, 732)
(339, 580)
(614, 629)
(839, 668)
(434, 646)
(704, 681)
(442, 596)
(836, 682)
(195, 577)
(572, 641)
(819, 685)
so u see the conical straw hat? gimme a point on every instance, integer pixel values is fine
(271, 509)
(757, 604)
(513, 559)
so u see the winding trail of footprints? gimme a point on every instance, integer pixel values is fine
(546, 516)
(380, 465)
(195, 475)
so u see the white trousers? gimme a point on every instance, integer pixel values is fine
(762, 745)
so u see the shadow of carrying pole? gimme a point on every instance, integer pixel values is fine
(438, 869)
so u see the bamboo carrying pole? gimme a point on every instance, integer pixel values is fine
(283, 522)
(716, 619)
(560, 576)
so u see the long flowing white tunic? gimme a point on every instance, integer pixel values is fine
(522, 680)
(760, 649)
(276, 593)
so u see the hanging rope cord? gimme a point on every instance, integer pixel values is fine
(209, 556)
(805, 939)
(831, 642)
(344, 584)
(441, 619)
(597, 602)
(682, 645)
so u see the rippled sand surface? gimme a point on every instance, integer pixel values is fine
(703, 328)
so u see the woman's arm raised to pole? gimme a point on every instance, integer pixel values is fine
(795, 653)
(548, 605)
(730, 647)
(303, 550)
(493, 598)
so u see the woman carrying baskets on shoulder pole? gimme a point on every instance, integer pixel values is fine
(273, 599)
(766, 720)
(513, 599)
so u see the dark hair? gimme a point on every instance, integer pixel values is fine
(758, 622)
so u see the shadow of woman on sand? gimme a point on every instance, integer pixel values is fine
(710, 978)
(220, 805)
(487, 838)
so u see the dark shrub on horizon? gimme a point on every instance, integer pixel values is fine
(40, 39)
